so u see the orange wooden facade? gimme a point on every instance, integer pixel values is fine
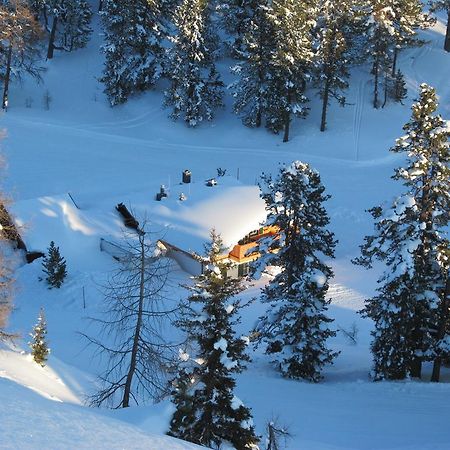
(241, 252)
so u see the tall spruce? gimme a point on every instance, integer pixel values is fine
(208, 412)
(250, 89)
(196, 89)
(411, 240)
(291, 62)
(134, 48)
(295, 328)
(39, 346)
(331, 57)
(54, 267)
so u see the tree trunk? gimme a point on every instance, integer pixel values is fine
(394, 61)
(443, 320)
(137, 331)
(326, 93)
(7, 78)
(287, 118)
(416, 368)
(376, 69)
(386, 84)
(51, 41)
(447, 34)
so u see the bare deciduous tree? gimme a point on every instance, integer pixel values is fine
(277, 436)
(6, 275)
(19, 44)
(132, 327)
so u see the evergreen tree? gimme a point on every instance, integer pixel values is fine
(443, 5)
(331, 59)
(196, 88)
(70, 24)
(290, 65)
(205, 391)
(250, 89)
(39, 346)
(409, 238)
(54, 266)
(398, 91)
(76, 31)
(237, 16)
(380, 45)
(295, 327)
(134, 51)
(393, 27)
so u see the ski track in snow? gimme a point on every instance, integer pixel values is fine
(357, 118)
(162, 145)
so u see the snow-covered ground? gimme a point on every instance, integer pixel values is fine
(102, 156)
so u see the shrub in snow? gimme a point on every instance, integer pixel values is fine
(207, 411)
(39, 347)
(411, 311)
(294, 329)
(54, 266)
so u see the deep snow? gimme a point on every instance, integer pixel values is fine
(103, 156)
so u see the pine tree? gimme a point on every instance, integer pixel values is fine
(214, 414)
(294, 329)
(331, 62)
(250, 89)
(237, 16)
(54, 266)
(134, 50)
(380, 45)
(70, 24)
(196, 88)
(393, 27)
(398, 91)
(76, 31)
(409, 238)
(443, 5)
(291, 62)
(39, 346)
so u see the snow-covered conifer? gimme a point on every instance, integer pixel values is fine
(250, 89)
(290, 66)
(443, 5)
(393, 27)
(410, 235)
(70, 24)
(38, 345)
(196, 89)
(331, 62)
(237, 16)
(54, 266)
(215, 415)
(134, 51)
(295, 328)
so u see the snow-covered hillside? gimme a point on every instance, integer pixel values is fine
(102, 156)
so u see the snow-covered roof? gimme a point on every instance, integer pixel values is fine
(231, 208)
